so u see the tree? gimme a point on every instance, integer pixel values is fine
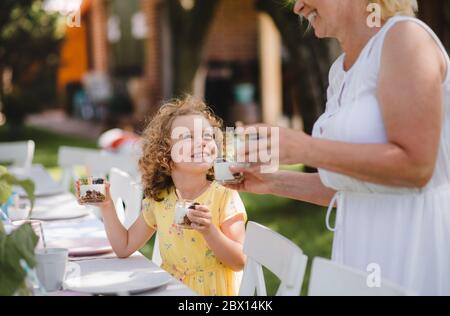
(189, 22)
(309, 60)
(30, 40)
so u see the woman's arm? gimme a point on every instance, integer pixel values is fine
(410, 97)
(300, 186)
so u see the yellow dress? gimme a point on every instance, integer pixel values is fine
(184, 252)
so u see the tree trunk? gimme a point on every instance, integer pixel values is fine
(189, 29)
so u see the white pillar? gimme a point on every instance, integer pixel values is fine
(270, 46)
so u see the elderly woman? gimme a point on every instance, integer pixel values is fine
(382, 146)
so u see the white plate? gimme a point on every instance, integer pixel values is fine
(62, 206)
(117, 282)
(44, 183)
(83, 247)
(52, 215)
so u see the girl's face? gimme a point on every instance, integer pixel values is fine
(327, 17)
(193, 147)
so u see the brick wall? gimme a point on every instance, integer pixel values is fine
(234, 32)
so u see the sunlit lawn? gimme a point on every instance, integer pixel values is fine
(302, 223)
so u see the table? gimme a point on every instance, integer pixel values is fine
(109, 262)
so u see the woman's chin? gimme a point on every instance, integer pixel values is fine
(320, 30)
(319, 33)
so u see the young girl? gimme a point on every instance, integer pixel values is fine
(206, 257)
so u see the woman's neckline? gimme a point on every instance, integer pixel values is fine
(363, 50)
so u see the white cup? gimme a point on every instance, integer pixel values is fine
(222, 173)
(51, 267)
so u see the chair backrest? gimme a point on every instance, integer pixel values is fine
(329, 278)
(156, 255)
(124, 190)
(100, 164)
(278, 254)
(68, 158)
(19, 154)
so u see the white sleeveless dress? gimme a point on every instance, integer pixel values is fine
(405, 231)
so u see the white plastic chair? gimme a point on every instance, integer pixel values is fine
(124, 190)
(100, 164)
(329, 278)
(68, 158)
(20, 154)
(156, 255)
(278, 254)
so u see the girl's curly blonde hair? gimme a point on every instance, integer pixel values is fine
(155, 163)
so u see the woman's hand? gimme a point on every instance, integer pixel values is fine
(201, 219)
(280, 145)
(103, 205)
(254, 180)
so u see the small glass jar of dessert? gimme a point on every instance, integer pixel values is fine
(92, 190)
(181, 213)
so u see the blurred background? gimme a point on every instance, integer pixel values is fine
(72, 69)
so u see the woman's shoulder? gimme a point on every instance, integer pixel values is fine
(410, 40)
(403, 29)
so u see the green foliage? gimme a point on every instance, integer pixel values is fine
(7, 180)
(30, 40)
(18, 245)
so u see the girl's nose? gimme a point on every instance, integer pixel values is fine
(299, 5)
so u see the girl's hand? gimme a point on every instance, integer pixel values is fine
(108, 200)
(201, 219)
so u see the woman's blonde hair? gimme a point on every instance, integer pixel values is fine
(155, 163)
(390, 8)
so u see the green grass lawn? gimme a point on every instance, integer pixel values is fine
(302, 223)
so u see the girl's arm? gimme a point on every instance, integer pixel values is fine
(124, 242)
(226, 242)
